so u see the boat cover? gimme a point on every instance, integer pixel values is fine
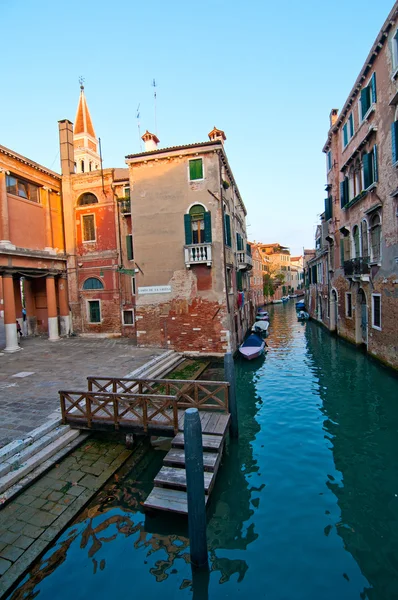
(253, 341)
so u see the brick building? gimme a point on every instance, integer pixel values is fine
(257, 277)
(190, 247)
(357, 240)
(32, 249)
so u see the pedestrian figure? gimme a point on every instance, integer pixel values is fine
(24, 314)
(19, 330)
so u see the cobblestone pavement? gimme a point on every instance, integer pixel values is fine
(30, 379)
(30, 522)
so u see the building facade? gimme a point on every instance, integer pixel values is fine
(297, 273)
(257, 277)
(278, 257)
(353, 280)
(33, 286)
(190, 248)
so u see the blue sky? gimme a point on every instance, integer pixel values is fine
(267, 73)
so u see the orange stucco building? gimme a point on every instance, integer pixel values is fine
(32, 249)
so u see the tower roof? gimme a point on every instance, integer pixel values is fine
(83, 122)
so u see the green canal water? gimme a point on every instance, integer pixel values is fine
(305, 506)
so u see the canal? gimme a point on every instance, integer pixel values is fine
(306, 502)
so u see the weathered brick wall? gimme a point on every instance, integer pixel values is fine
(384, 344)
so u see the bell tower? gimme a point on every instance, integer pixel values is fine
(85, 142)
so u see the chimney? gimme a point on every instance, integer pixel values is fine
(217, 134)
(334, 115)
(66, 150)
(151, 141)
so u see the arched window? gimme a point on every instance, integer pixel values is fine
(197, 226)
(375, 236)
(82, 166)
(87, 198)
(351, 183)
(365, 240)
(355, 237)
(92, 283)
(90, 165)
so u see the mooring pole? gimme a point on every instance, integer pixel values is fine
(229, 369)
(195, 487)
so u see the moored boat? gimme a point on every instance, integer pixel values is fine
(300, 305)
(261, 327)
(285, 298)
(252, 347)
(302, 315)
(276, 301)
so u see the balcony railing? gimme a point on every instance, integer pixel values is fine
(244, 260)
(125, 206)
(197, 253)
(357, 266)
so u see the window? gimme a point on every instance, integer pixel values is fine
(94, 311)
(21, 188)
(369, 168)
(348, 305)
(227, 230)
(375, 237)
(345, 135)
(88, 228)
(344, 192)
(239, 242)
(364, 238)
(229, 281)
(328, 208)
(368, 98)
(127, 191)
(90, 165)
(376, 311)
(355, 237)
(87, 198)
(197, 226)
(351, 126)
(329, 160)
(82, 166)
(128, 317)
(129, 247)
(394, 49)
(133, 285)
(195, 169)
(92, 283)
(394, 141)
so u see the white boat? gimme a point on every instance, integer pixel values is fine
(293, 296)
(262, 316)
(302, 315)
(276, 301)
(285, 298)
(261, 327)
(252, 347)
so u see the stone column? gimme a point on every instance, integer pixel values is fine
(9, 314)
(53, 333)
(4, 222)
(31, 318)
(63, 305)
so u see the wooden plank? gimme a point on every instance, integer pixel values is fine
(222, 425)
(210, 443)
(168, 500)
(212, 423)
(204, 419)
(176, 478)
(176, 457)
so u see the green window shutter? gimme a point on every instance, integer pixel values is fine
(365, 102)
(345, 135)
(188, 230)
(394, 139)
(351, 125)
(343, 200)
(248, 250)
(196, 169)
(375, 165)
(341, 252)
(367, 173)
(207, 219)
(228, 230)
(129, 246)
(373, 88)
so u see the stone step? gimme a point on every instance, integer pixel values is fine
(169, 500)
(17, 446)
(34, 461)
(176, 478)
(44, 466)
(210, 443)
(176, 458)
(15, 461)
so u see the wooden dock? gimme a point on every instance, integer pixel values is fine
(156, 406)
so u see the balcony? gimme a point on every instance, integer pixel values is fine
(196, 254)
(125, 206)
(357, 266)
(245, 262)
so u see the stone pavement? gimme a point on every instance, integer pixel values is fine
(30, 379)
(38, 515)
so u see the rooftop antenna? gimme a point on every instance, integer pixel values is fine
(139, 126)
(154, 100)
(81, 81)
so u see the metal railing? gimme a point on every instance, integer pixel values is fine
(357, 266)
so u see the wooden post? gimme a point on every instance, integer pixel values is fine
(195, 487)
(229, 368)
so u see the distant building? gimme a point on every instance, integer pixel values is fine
(352, 281)
(297, 273)
(279, 268)
(32, 249)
